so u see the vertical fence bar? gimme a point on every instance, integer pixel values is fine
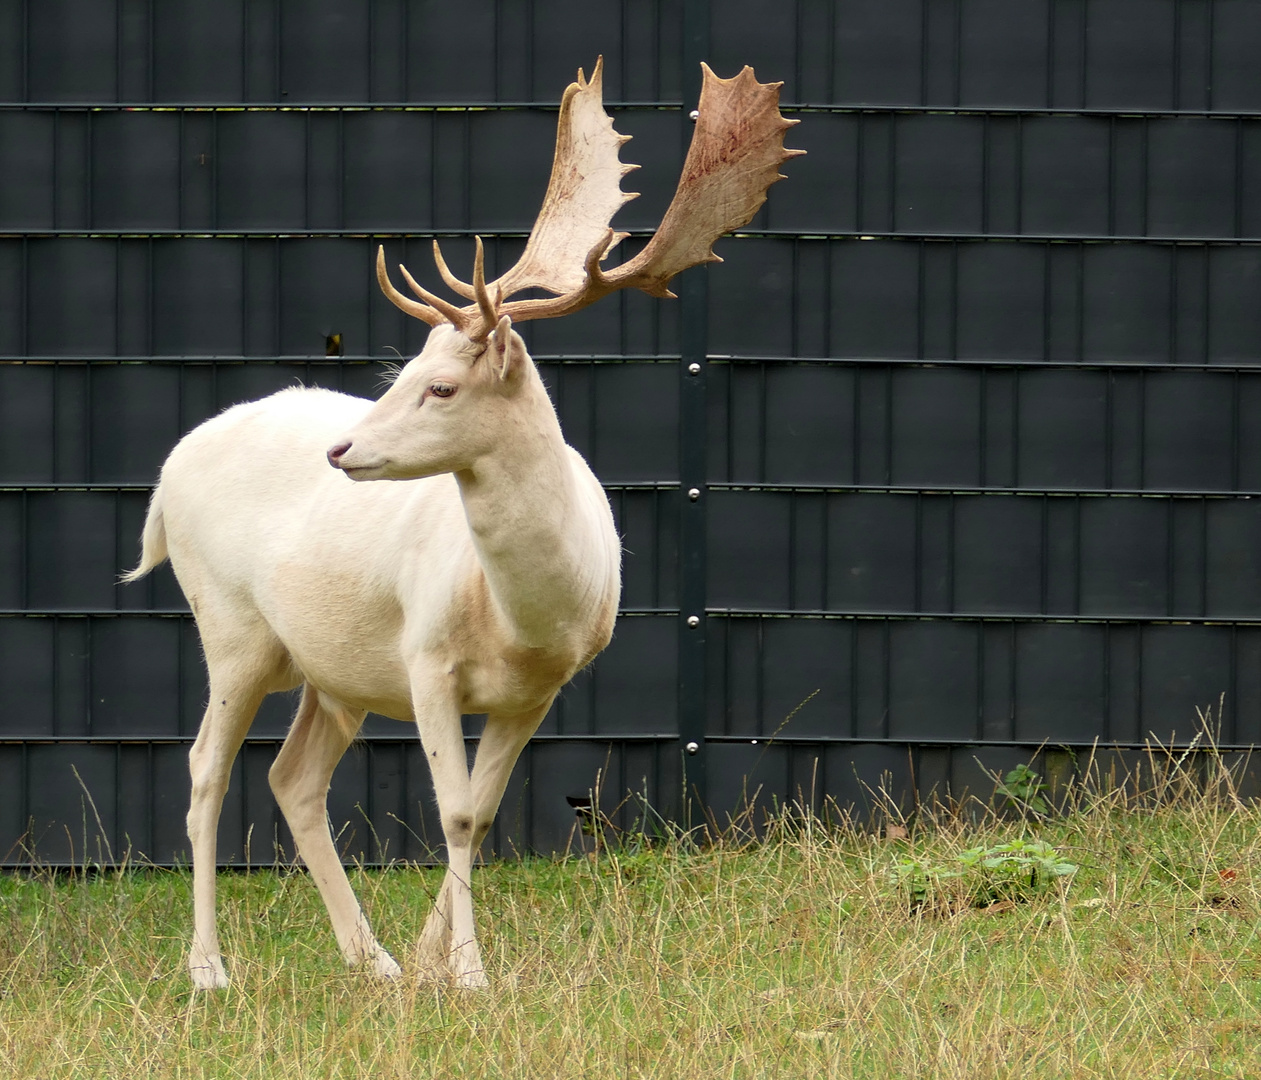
(693, 294)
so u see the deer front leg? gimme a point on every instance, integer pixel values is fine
(449, 938)
(501, 743)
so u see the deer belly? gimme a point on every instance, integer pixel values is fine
(344, 642)
(356, 673)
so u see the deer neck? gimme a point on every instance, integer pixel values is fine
(537, 534)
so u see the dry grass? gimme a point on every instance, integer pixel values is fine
(792, 956)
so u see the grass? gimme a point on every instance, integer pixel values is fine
(800, 954)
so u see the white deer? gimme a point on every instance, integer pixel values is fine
(480, 585)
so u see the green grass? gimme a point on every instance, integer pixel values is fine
(800, 955)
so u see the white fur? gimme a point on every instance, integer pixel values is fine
(480, 584)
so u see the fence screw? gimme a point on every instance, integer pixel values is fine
(693, 369)
(693, 621)
(693, 493)
(692, 747)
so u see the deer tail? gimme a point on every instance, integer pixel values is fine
(153, 541)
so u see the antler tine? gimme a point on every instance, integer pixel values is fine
(453, 283)
(458, 317)
(487, 307)
(423, 312)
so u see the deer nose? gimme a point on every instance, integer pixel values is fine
(335, 454)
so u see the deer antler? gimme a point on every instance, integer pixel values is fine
(736, 151)
(583, 194)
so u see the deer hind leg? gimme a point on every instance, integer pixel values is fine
(443, 936)
(238, 683)
(299, 777)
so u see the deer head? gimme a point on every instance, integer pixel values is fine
(736, 151)
(448, 406)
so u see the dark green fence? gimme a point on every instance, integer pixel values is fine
(959, 446)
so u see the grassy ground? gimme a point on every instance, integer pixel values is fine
(816, 952)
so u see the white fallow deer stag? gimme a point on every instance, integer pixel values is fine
(482, 583)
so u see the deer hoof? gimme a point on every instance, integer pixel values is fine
(207, 973)
(384, 966)
(472, 980)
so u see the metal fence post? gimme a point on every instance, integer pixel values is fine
(692, 288)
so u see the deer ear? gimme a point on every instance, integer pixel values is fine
(507, 350)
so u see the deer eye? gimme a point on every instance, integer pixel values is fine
(442, 390)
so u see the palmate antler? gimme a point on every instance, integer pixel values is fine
(736, 151)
